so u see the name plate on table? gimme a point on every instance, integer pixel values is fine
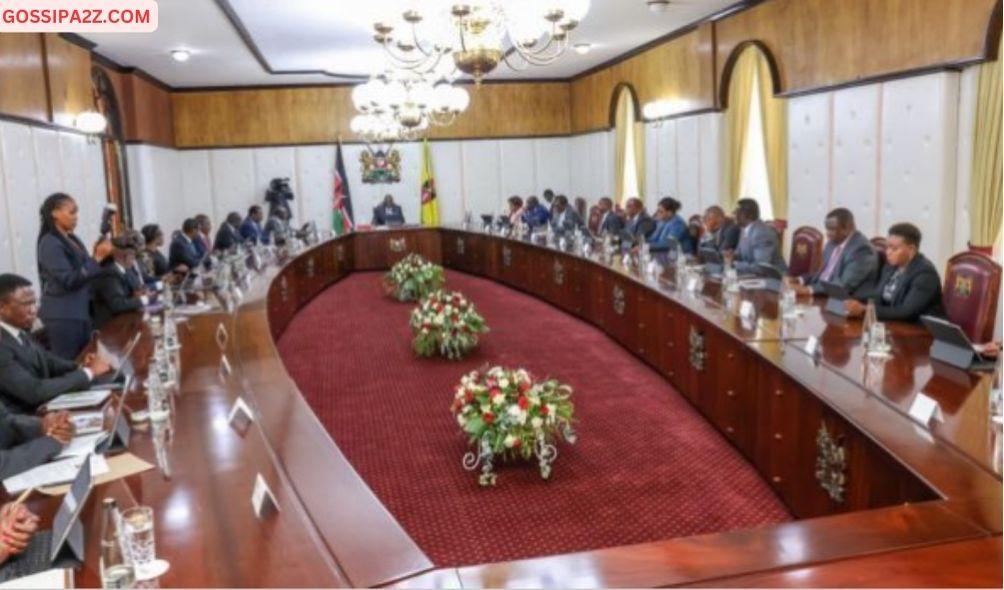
(924, 410)
(693, 284)
(225, 369)
(222, 336)
(262, 498)
(747, 311)
(812, 346)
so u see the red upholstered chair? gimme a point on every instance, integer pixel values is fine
(594, 219)
(806, 252)
(781, 225)
(972, 285)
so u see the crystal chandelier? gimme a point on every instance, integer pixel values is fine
(404, 104)
(477, 35)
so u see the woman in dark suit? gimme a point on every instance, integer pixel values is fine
(152, 260)
(66, 271)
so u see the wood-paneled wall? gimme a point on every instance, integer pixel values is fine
(323, 114)
(680, 70)
(820, 44)
(145, 108)
(22, 77)
(70, 88)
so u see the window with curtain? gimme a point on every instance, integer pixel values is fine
(629, 150)
(754, 181)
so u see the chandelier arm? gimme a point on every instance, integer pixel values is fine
(403, 62)
(416, 42)
(537, 59)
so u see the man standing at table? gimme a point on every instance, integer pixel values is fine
(848, 258)
(30, 375)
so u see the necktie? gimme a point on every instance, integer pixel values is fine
(831, 264)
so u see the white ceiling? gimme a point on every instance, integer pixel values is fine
(335, 36)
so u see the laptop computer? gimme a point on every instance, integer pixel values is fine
(124, 370)
(63, 545)
(953, 347)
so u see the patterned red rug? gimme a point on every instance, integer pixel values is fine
(646, 465)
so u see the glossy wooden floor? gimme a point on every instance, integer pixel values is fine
(913, 497)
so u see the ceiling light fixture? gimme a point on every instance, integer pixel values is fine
(91, 122)
(477, 35)
(181, 55)
(401, 105)
(658, 5)
(582, 48)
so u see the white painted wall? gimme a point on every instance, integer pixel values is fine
(890, 152)
(35, 162)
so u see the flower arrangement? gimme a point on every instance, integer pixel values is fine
(446, 323)
(413, 277)
(508, 414)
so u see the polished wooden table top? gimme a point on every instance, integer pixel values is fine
(332, 531)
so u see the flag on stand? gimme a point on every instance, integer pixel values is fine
(430, 205)
(341, 219)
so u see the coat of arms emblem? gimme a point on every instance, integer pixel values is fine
(381, 167)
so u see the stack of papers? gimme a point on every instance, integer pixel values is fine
(47, 579)
(54, 473)
(82, 445)
(79, 399)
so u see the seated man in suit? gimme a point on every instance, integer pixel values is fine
(182, 255)
(114, 292)
(251, 230)
(277, 227)
(202, 242)
(228, 236)
(564, 219)
(30, 375)
(848, 258)
(909, 286)
(610, 222)
(640, 225)
(759, 243)
(670, 227)
(534, 214)
(29, 441)
(387, 213)
(722, 234)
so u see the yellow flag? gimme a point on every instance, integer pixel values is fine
(430, 205)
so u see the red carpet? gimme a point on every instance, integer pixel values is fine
(646, 465)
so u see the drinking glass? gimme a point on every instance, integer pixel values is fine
(137, 528)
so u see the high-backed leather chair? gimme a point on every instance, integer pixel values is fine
(580, 207)
(879, 243)
(972, 285)
(806, 252)
(593, 221)
(780, 225)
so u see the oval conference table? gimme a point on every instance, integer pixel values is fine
(878, 498)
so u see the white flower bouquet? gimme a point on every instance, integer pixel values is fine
(413, 277)
(446, 323)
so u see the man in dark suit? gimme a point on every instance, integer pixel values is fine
(202, 242)
(251, 230)
(30, 375)
(759, 243)
(114, 292)
(722, 233)
(909, 286)
(29, 441)
(640, 224)
(277, 227)
(610, 222)
(534, 214)
(848, 258)
(229, 234)
(388, 213)
(565, 219)
(182, 256)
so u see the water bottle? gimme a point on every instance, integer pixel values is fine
(116, 572)
(869, 324)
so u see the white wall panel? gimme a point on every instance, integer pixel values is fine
(710, 134)
(73, 151)
(7, 224)
(482, 180)
(964, 158)
(48, 163)
(553, 168)
(653, 160)
(142, 176)
(689, 168)
(195, 192)
(517, 168)
(919, 142)
(579, 162)
(448, 167)
(809, 133)
(855, 154)
(315, 185)
(95, 188)
(20, 182)
(233, 181)
(669, 160)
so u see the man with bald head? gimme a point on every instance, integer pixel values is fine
(640, 224)
(722, 234)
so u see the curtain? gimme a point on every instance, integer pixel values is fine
(774, 114)
(986, 196)
(627, 129)
(736, 122)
